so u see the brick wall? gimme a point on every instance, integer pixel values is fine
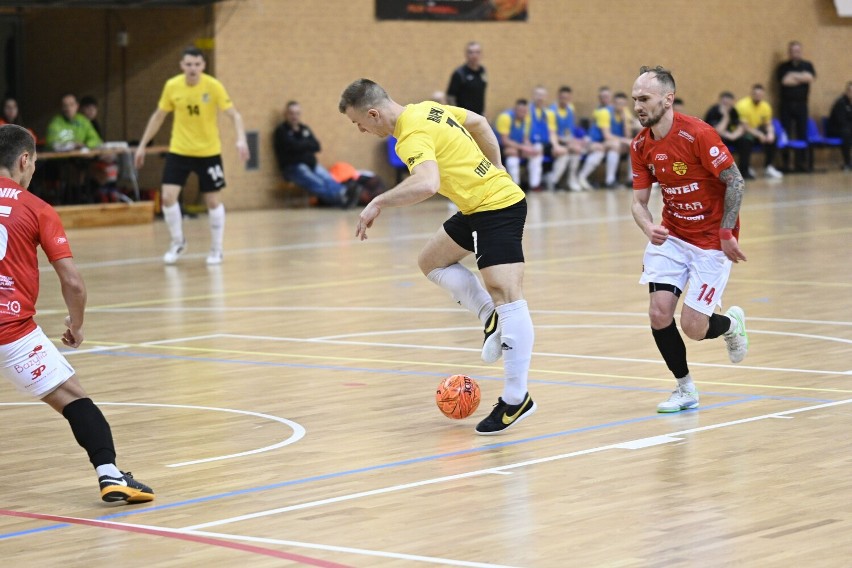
(271, 51)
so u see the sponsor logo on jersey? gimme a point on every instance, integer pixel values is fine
(720, 159)
(10, 192)
(679, 168)
(5, 210)
(61, 240)
(205, 98)
(685, 134)
(414, 158)
(681, 189)
(661, 158)
(7, 282)
(714, 151)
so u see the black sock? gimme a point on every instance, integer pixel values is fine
(672, 348)
(718, 325)
(91, 430)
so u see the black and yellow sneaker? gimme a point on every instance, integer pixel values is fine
(504, 416)
(124, 488)
(492, 346)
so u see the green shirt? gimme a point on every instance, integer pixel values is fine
(62, 133)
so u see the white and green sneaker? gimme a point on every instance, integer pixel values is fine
(737, 339)
(681, 399)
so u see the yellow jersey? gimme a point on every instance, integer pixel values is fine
(195, 131)
(755, 115)
(432, 131)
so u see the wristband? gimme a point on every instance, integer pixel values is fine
(726, 234)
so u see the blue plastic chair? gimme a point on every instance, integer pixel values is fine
(817, 138)
(394, 160)
(783, 141)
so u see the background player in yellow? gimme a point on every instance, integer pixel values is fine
(195, 99)
(454, 152)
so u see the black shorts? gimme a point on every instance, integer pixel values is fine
(495, 237)
(211, 177)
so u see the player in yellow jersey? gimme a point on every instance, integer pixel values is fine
(195, 99)
(454, 152)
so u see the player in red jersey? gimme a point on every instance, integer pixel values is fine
(29, 359)
(697, 240)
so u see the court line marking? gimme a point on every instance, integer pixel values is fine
(535, 354)
(298, 429)
(409, 362)
(379, 467)
(408, 310)
(175, 534)
(361, 551)
(415, 484)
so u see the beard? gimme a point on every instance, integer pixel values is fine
(653, 117)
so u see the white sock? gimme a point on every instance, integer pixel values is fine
(108, 469)
(686, 383)
(573, 165)
(560, 164)
(535, 165)
(593, 160)
(172, 217)
(513, 166)
(517, 335)
(465, 288)
(612, 158)
(217, 226)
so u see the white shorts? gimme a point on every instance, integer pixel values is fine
(677, 262)
(34, 364)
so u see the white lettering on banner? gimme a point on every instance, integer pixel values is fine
(10, 192)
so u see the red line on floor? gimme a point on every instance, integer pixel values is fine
(177, 535)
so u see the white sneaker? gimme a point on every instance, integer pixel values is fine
(771, 172)
(175, 251)
(681, 399)
(574, 184)
(736, 340)
(492, 344)
(214, 257)
(751, 172)
(584, 184)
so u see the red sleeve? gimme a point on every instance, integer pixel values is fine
(52, 235)
(712, 152)
(642, 178)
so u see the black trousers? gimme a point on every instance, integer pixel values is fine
(794, 118)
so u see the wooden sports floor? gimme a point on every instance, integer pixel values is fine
(282, 405)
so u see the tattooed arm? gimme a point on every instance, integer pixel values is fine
(735, 187)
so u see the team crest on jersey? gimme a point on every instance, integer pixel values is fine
(679, 168)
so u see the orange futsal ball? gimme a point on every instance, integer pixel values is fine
(458, 396)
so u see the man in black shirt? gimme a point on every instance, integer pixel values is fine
(840, 125)
(468, 82)
(296, 149)
(726, 120)
(795, 77)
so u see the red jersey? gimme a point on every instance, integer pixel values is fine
(25, 223)
(687, 163)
